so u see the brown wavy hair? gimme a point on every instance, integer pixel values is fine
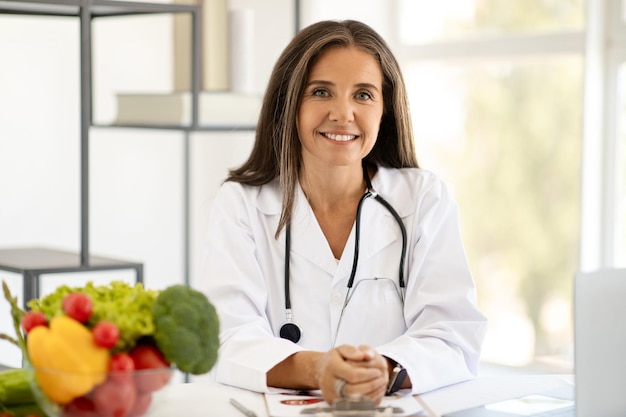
(277, 149)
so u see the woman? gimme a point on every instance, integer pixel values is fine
(285, 236)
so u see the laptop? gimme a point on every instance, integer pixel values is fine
(600, 357)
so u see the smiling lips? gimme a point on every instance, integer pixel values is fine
(339, 138)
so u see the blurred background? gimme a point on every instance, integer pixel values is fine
(517, 104)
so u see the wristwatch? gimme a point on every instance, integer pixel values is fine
(398, 375)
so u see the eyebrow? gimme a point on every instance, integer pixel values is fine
(328, 83)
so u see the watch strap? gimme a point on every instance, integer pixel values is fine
(398, 375)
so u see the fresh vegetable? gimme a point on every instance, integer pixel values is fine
(100, 351)
(80, 407)
(23, 410)
(66, 346)
(77, 306)
(186, 328)
(121, 367)
(106, 334)
(128, 306)
(15, 388)
(16, 396)
(16, 314)
(148, 358)
(15, 391)
(33, 319)
(114, 399)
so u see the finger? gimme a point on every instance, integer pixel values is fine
(354, 369)
(368, 352)
(336, 368)
(359, 372)
(372, 389)
(377, 395)
(378, 361)
(352, 353)
(365, 372)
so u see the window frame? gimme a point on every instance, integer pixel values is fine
(605, 53)
(602, 45)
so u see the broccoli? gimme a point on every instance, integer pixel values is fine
(186, 329)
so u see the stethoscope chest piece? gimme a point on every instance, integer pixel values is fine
(290, 331)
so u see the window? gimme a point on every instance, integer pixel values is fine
(496, 90)
(424, 20)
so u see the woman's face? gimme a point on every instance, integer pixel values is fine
(341, 108)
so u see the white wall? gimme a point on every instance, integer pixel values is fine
(136, 176)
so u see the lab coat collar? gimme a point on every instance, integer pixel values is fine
(307, 239)
(388, 182)
(378, 230)
(378, 227)
(269, 198)
(397, 188)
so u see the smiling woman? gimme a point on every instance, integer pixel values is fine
(342, 104)
(335, 130)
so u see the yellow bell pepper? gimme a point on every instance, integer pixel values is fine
(67, 362)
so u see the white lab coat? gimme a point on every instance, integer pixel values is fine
(436, 334)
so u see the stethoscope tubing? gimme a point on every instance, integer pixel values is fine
(357, 238)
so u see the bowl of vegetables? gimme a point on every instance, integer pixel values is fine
(110, 351)
(110, 394)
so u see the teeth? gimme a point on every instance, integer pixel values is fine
(340, 138)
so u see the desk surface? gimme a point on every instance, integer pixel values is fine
(207, 399)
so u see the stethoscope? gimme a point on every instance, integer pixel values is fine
(289, 330)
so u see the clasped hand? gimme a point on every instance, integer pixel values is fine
(362, 368)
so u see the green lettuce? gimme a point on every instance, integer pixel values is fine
(128, 306)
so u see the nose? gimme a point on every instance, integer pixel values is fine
(341, 110)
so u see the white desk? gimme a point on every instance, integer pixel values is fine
(208, 399)
(205, 399)
(489, 389)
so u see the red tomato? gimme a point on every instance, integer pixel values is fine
(141, 405)
(121, 366)
(78, 306)
(80, 407)
(33, 319)
(154, 368)
(106, 334)
(148, 357)
(114, 399)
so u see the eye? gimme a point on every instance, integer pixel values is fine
(319, 92)
(363, 95)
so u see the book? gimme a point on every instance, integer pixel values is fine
(174, 109)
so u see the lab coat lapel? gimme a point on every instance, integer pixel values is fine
(378, 230)
(307, 239)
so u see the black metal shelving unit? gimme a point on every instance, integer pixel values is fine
(32, 262)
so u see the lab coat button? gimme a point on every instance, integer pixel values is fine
(335, 298)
